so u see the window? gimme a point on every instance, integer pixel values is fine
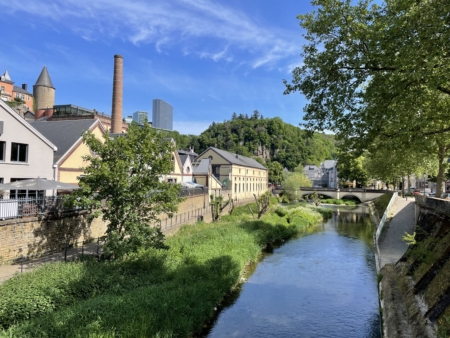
(28, 97)
(239, 171)
(19, 152)
(2, 89)
(23, 97)
(172, 180)
(2, 150)
(235, 188)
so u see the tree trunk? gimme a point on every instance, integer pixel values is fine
(441, 172)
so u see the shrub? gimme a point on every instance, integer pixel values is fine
(280, 211)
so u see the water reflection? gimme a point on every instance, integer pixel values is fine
(321, 285)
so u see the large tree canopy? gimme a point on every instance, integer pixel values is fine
(123, 184)
(372, 71)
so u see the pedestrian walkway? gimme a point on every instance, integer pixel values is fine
(7, 271)
(391, 245)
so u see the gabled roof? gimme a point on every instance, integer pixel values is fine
(236, 159)
(27, 125)
(65, 134)
(183, 158)
(44, 79)
(202, 167)
(18, 89)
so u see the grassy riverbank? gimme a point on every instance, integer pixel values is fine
(151, 294)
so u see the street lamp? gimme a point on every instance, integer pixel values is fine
(424, 183)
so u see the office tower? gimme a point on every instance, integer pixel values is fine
(140, 117)
(162, 115)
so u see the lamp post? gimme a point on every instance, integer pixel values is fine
(424, 183)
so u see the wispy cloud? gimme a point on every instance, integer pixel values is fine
(220, 31)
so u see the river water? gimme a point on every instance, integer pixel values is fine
(321, 284)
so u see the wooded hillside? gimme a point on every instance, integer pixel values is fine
(264, 138)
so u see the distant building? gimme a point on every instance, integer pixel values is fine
(323, 176)
(162, 115)
(128, 119)
(9, 92)
(43, 91)
(140, 117)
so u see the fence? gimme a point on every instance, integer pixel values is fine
(381, 225)
(30, 207)
(193, 192)
(66, 251)
(177, 219)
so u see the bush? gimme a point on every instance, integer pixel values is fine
(280, 211)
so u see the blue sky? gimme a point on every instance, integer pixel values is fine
(207, 59)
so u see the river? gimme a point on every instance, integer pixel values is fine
(321, 284)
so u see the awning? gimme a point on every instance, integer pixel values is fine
(37, 184)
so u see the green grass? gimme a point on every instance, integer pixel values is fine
(154, 293)
(382, 202)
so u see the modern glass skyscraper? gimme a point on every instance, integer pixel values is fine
(162, 115)
(140, 116)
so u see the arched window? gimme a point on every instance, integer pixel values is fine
(2, 89)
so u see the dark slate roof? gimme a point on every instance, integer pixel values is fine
(63, 134)
(183, 158)
(18, 89)
(238, 159)
(202, 167)
(44, 79)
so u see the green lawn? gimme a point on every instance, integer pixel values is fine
(154, 293)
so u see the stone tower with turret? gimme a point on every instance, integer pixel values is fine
(43, 91)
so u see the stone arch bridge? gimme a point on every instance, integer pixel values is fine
(363, 195)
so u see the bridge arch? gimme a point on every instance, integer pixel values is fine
(351, 197)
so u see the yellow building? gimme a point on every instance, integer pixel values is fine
(67, 136)
(236, 174)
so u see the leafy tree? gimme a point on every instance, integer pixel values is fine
(351, 168)
(123, 184)
(373, 71)
(292, 183)
(275, 172)
(217, 206)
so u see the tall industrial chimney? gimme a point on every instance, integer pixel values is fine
(116, 116)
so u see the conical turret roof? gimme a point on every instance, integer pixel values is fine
(44, 79)
(6, 76)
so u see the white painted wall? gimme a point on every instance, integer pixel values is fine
(40, 150)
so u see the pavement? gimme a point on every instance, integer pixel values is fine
(391, 245)
(18, 266)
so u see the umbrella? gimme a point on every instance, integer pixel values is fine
(37, 184)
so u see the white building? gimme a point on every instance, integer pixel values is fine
(24, 152)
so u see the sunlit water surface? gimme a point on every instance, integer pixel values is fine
(322, 284)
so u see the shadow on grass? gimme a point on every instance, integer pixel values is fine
(169, 303)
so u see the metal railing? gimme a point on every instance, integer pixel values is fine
(59, 252)
(30, 207)
(193, 192)
(181, 218)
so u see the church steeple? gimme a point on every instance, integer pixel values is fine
(44, 79)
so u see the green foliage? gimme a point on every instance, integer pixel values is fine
(292, 183)
(275, 172)
(151, 293)
(339, 202)
(375, 74)
(122, 184)
(382, 202)
(285, 143)
(410, 239)
(351, 168)
(280, 211)
(217, 205)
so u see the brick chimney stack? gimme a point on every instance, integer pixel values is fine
(116, 116)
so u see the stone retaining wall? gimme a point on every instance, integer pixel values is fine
(34, 236)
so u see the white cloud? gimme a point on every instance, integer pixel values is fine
(222, 30)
